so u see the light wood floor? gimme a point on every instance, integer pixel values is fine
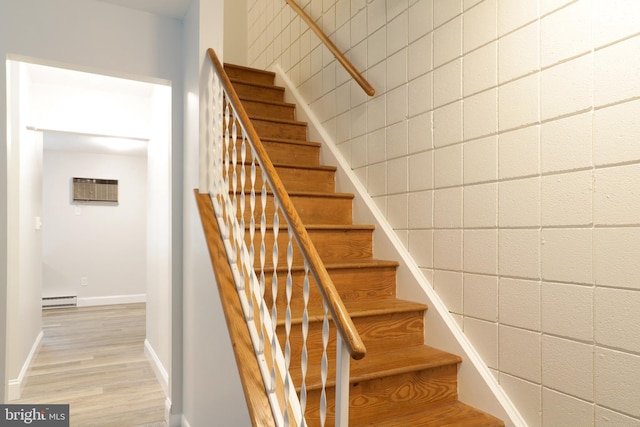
(92, 358)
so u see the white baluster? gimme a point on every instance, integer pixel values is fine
(305, 333)
(274, 284)
(263, 254)
(342, 383)
(289, 292)
(324, 368)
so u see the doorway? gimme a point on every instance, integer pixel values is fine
(77, 105)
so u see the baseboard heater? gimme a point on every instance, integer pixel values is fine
(59, 302)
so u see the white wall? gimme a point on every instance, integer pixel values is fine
(90, 35)
(102, 242)
(236, 49)
(212, 390)
(24, 271)
(502, 146)
(159, 226)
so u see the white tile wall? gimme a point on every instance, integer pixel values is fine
(479, 27)
(567, 255)
(566, 33)
(513, 14)
(519, 52)
(562, 410)
(566, 143)
(481, 160)
(527, 394)
(567, 311)
(518, 102)
(567, 366)
(447, 124)
(608, 75)
(444, 10)
(480, 205)
(567, 88)
(448, 211)
(519, 303)
(481, 297)
(519, 353)
(608, 418)
(614, 311)
(484, 337)
(449, 285)
(615, 132)
(519, 153)
(480, 69)
(616, 252)
(615, 386)
(519, 253)
(616, 199)
(480, 253)
(503, 146)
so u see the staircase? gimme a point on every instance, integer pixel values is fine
(401, 381)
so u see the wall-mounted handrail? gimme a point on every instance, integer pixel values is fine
(364, 84)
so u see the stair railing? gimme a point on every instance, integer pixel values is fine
(348, 66)
(250, 202)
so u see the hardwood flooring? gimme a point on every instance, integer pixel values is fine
(92, 358)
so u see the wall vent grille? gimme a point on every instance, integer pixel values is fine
(95, 190)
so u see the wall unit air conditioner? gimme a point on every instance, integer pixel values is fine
(95, 190)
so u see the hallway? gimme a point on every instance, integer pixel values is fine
(92, 358)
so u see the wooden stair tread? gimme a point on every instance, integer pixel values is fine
(290, 141)
(348, 264)
(332, 227)
(386, 363)
(449, 414)
(255, 84)
(322, 168)
(249, 69)
(267, 101)
(365, 308)
(411, 358)
(384, 306)
(278, 120)
(312, 194)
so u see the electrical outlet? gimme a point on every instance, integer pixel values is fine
(84, 281)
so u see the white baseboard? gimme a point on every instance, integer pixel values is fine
(184, 421)
(16, 386)
(111, 300)
(158, 368)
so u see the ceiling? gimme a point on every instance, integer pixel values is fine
(171, 8)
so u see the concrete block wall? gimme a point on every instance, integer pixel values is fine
(503, 145)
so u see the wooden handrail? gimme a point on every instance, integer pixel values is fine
(364, 84)
(339, 313)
